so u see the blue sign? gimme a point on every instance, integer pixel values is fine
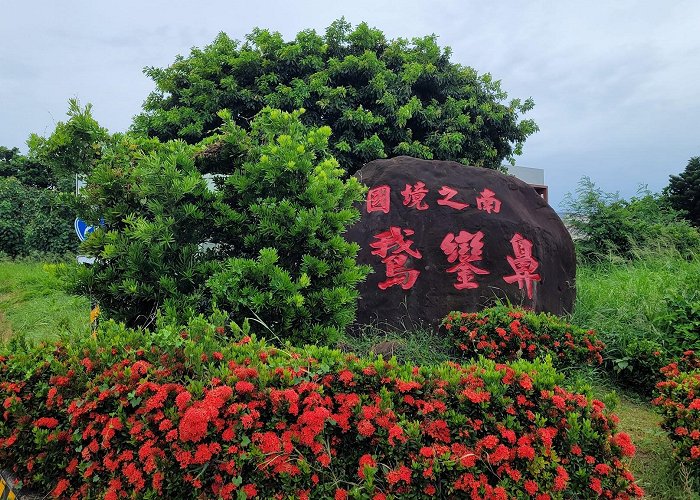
(82, 229)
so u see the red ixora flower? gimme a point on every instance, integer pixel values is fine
(60, 488)
(250, 490)
(244, 387)
(365, 428)
(47, 422)
(623, 441)
(366, 460)
(531, 486)
(403, 473)
(193, 426)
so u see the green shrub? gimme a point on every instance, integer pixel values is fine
(283, 213)
(185, 414)
(678, 401)
(504, 334)
(156, 209)
(604, 225)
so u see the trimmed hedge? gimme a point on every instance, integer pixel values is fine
(679, 404)
(504, 334)
(190, 414)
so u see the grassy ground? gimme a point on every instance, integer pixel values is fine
(31, 302)
(626, 301)
(654, 466)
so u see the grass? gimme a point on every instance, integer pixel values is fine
(421, 347)
(626, 303)
(624, 300)
(31, 302)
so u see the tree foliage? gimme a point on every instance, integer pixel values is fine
(73, 148)
(683, 191)
(605, 225)
(37, 203)
(382, 97)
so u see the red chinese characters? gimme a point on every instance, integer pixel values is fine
(523, 264)
(394, 251)
(488, 202)
(378, 199)
(466, 248)
(448, 194)
(413, 196)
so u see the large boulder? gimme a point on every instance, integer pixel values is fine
(441, 236)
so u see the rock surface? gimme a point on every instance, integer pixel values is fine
(441, 236)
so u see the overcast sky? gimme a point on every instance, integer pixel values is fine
(616, 85)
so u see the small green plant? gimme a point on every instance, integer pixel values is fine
(681, 319)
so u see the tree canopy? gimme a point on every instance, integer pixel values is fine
(684, 190)
(381, 97)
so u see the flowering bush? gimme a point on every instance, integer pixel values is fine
(173, 414)
(505, 334)
(679, 404)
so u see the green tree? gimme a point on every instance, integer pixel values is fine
(73, 148)
(7, 161)
(683, 191)
(382, 97)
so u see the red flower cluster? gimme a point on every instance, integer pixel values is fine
(504, 334)
(303, 423)
(678, 401)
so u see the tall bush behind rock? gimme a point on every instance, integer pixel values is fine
(382, 97)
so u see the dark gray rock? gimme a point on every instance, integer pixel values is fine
(441, 236)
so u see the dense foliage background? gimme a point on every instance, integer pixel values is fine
(382, 97)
